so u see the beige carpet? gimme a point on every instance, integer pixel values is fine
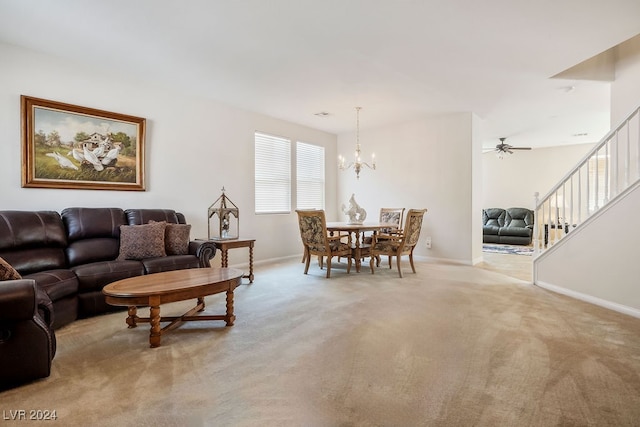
(450, 346)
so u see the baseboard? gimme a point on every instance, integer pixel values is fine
(590, 299)
(442, 260)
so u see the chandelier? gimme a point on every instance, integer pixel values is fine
(358, 163)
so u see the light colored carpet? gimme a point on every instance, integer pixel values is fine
(450, 346)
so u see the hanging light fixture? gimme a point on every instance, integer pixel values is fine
(357, 164)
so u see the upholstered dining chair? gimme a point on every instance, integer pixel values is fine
(388, 216)
(401, 243)
(317, 241)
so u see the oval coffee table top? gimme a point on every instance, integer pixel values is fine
(170, 281)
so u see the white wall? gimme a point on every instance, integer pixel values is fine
(512, 181)
(194, 147)
(598, 262)
(421, 164)
(625, 90)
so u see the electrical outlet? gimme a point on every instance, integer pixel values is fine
(428, 242)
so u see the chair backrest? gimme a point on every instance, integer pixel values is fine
(391, 216)
(493, 217)
(313, 229)
(412, 227)
(518, 217)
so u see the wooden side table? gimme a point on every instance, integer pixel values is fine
(225, 244)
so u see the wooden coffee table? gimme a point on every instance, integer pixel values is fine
(160, 288)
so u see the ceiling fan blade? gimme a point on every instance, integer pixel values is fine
(520, 148)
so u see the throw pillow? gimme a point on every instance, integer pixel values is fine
(142, 241)
(7, 272)
(176, 239)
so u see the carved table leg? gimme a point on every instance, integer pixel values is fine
(230, 317)
(133, 317)
(357, 252)
(251, 263)
(225, 259)
(154, 319)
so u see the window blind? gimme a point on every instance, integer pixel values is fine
(309, 176)
(272, 174)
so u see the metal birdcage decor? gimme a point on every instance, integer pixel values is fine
(227, 224)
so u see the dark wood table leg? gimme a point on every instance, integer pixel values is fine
(251, 263)
(154, 319)
(230, 318)
(132, 319)
(201, 302)
(225, 258)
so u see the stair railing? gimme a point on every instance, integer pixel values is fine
(612, 166)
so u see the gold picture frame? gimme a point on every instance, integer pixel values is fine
(68, 146)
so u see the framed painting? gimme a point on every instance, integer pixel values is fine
(67, 146)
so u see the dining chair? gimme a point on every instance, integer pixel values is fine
(387, 216)
(401, 243)
(317, 241)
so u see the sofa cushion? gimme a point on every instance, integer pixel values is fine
(490, 229)
(56, 283)
(144, 216)
(98, 274)
(171, 262)
(142, 241)
(25, 229)
(518, 217)
(87, 223)
(493, 217)
(515, 231)
(93, 234)
(32, 240)
(93, 250)
(7, 272)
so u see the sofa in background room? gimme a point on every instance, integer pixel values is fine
(513, 226)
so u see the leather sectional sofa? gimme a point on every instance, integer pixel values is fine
(64, 260)
(512, 226)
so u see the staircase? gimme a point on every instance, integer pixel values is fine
(608, 172)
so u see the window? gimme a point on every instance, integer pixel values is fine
(272, 174)
(310, 176)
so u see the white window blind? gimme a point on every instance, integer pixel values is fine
(272, 174)
(309, 176)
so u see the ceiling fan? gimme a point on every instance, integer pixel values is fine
(506, 148)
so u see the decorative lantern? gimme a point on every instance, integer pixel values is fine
(228, 222)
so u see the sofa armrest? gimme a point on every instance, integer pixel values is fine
(20, 299)
(27, 342)
(205, 250)
(17, 299)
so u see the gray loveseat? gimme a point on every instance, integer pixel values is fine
(512, 226)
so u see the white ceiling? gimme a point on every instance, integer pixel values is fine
(398, 59)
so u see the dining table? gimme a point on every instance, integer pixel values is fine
(358, 248)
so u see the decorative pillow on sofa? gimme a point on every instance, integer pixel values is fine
(176, 238)
(142, 241)
(7, 272)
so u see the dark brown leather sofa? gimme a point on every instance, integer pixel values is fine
(65, 259)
